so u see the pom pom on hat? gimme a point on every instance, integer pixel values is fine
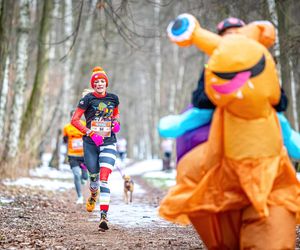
(98, 73)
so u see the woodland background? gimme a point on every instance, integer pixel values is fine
(49, 47)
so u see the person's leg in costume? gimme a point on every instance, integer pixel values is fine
(218, 230)
(277, 231)
(244, 229)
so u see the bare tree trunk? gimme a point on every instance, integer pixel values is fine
(68, 91)
(172, 98)
(20, 81)
(79, 61)
(157, 79)
(6, 18)
(55, 159)
(294, 31)
(3, 100)
(285, 65)
(34, 107)
(179, 84)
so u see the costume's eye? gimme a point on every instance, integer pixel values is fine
(255, 70)
(182, 28)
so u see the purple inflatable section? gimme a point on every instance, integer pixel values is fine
(191, 139)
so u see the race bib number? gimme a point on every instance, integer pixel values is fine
(102, 127)
(77, 144)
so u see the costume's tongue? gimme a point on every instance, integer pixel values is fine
(233, 85)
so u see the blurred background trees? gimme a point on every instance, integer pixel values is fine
(48, 49)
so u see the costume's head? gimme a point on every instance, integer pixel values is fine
(228, 23)
(240, 74)
(98, 73)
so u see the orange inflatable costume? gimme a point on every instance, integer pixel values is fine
(239, 189)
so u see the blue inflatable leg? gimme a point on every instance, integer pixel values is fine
(291, 138)
(173, 126)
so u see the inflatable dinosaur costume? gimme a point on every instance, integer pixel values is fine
(238, 189)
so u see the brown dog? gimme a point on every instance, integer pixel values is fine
(128, 187)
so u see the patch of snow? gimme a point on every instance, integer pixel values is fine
(127, 215)
(52, 185)
(161, 174)
(44, 171)
(116, 184)
(4, 200)
(131, 215)
(143, 167)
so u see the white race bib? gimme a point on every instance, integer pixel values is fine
(102, 127)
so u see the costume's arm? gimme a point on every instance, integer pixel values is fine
(174, 126)
(185, 30)
(261, 31)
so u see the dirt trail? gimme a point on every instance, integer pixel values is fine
(50, 220)
(35, 219)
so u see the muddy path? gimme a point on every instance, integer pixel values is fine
(31, 218)
(36, 219)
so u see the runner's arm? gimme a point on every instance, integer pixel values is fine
(75, 121)
(65, 135)
(115, 122)
(116, 113)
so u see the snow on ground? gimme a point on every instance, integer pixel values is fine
(151, 169)
(129, 215)
(64, 172)
(46, 184)
(142, 167)
(136, 214)
(4, 200)
(53, 179)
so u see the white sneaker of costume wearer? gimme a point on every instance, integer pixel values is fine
(79, 200)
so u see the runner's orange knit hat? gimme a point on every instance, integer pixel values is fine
(98, 73)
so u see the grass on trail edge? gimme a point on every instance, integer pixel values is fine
(161, 183)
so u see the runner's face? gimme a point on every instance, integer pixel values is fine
(100, 86)
(228, 31)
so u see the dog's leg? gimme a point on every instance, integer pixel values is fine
(126, 196)
(130, 196)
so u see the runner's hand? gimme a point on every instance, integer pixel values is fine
(97, 139)
(116, 127)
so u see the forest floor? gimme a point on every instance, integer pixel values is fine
(37, 219)
(32, 218)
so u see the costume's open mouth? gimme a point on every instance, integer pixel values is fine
(238, 79)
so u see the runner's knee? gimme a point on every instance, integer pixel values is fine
(76, 172)
(94, 181)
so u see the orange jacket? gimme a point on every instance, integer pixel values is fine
(74, 136)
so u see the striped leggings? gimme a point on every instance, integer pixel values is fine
(100, 162)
